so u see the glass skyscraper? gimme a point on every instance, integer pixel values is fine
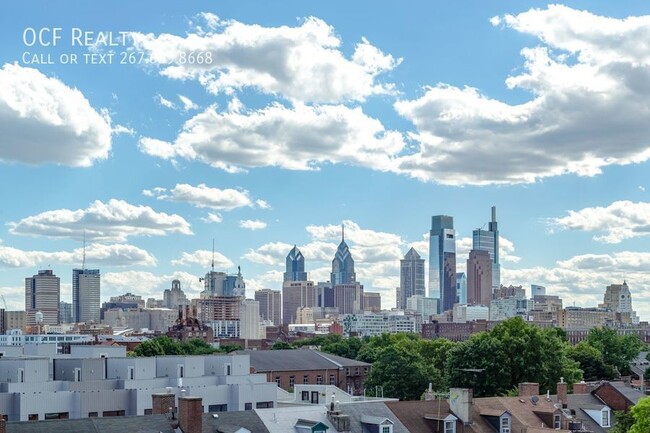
(442, 261)
(295, 266)
(343, 265)
(411, 277)
(488, 240)
(85, 295)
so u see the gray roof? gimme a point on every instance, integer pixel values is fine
(231, 421)
(375, 410)
(628, 392)
(114, 424)
(577, 402)
(299, 359)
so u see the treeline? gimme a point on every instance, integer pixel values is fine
(167, 346)
(492, 362)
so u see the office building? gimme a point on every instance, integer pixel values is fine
(270, 305)
(43, 293)
(479, 278)
(65, 312)
(411, 276)
(14, 320)
(249, 318)
(537, 290)
(488, 240)
(296, 294)
(295, 270)
(426, 307)
(467, 313)
(372, 301)
(343, 264)
(461, 287)
(85, 295)
(442, 261)
(618, 299)
(175, 297)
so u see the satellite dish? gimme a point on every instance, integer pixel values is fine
(534, 399)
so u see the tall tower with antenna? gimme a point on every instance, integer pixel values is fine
(86, 290)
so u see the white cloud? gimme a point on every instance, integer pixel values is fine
(586, 73)
(301, 63)
(641, 188)
(203, 196)
(187, 103)
(147, 284)
(96, 255)
(203, 258)
(252, 224)
(277, 136)
(619, 221)
(262, 204)
(114, 221)
(44, 121)
(165, 102)
(213, 217)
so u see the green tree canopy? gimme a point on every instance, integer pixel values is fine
(617, 350)
(641, 414)
(592, 362)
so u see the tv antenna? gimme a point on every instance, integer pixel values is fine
(83, 259)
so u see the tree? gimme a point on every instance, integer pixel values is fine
(401, 373)
(622, 422)
(592, 362)
(641, 414)
(617, 350)
(281, 345)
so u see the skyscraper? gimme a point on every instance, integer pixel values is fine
(175, 297)
(461, 287)
(42, 293)
(411, 275)
(479, 278)
(442, 261)
(85, 295)
(295, 266)
(270, 304)
(343, 264)
(618, 298)
(296, 294)
(488, 240)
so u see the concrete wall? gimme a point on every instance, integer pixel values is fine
(119, 368)
(168, 366)
(33, 370)
(91, 369)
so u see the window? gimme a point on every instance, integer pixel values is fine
(248, 406)
(218, 408)
(292, 381)
(21, 375)
(305, 396)
(386, 429)
(131, 373)
(32, 417)
(305, 380)
(557, 421)
(181, 370)
(505, 425)
(332, 379)
(92, 414)
(605, 418)
(319, 380)
(450, 427)
(264, 405)
(148, 411)
(277, 381)
(77, 375)
(228, 369)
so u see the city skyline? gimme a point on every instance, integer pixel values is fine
(394, 116)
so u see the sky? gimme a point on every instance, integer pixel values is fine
(157, 127)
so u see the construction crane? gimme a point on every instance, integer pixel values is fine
(4, 301)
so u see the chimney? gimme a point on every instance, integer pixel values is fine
(190, 414)
(526, 389)
(429, 394)
(3, 425)
(460, 403)
(160, 403)
(340, 421)
(562, 388)
(580, 388)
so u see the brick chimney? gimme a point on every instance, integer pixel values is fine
(562, 388)
(3, 425)
(160, 403)
(527, 389)
(580, 388)
(190, 414)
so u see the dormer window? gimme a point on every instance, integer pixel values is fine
(450, 426)
(604, 420)
(504, 423)
(387, 429)
(557, 421)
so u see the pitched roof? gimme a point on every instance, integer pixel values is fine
(300, 359)
(411, 413)
(226, 422)
(115, 424)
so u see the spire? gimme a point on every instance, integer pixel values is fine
(212, 265)
(83, 260)
(342, 233)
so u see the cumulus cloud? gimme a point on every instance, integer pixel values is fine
(44, 121)
(590, 98)
(619, 221)
(147, 284)
(114, 221)
(252, 224)
(165, 102)
(96, 254)
(299, 138)
(302, 63)
(203, 196)
(213, 218)
(187, 103)
(203, 258)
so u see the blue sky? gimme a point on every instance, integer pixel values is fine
(314, 114)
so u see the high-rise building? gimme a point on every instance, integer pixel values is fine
(295, 266)
(488, 240)
(343, 264)
(175, 297)
(296, 294)
(15, 320)
(348, 298)
(442, 261)
(85, 295)
(249, 317)
(372, 301)
(411, 275)
(618, 298)
(461, 287)
(537, 290)
(65, 312)
(222, 284)
(42, 293)
(270, 305)
(479, 278)
(234, 285)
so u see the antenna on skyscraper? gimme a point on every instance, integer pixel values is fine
(342, 232)
(212, 265)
